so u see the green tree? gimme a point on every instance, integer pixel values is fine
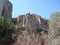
(6, 30)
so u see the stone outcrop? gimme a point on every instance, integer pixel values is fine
(31, 22)
(6, 9)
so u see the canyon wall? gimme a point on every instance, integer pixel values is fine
(31, 22)
(6, 9)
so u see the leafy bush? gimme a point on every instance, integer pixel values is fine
(6, 30)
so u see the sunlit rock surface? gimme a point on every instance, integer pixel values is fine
(31, 22)
(6, 9)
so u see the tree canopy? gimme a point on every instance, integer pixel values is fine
(6, 29)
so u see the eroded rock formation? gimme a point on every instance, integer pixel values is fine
(31, 22)
(6, 9)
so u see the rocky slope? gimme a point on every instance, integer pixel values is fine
(31, 22)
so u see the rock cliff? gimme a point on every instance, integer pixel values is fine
(31, 22)
(6, 9)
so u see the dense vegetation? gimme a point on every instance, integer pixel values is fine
(6, 30)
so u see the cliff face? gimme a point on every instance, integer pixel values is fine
(6, 9)
(31, 22)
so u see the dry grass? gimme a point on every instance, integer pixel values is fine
(31, 39)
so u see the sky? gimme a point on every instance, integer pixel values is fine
(44, 8)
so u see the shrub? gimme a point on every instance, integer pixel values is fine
(6, 30)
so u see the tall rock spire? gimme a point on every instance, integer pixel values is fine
(6, 9)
